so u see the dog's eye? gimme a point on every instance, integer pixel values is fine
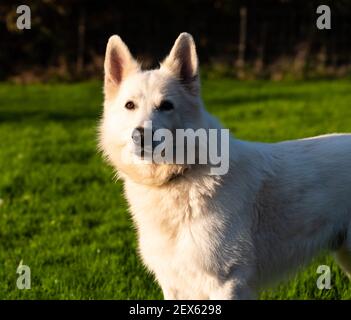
(165, 106)
(130, 105)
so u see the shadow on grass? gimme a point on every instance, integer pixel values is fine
(47, 115)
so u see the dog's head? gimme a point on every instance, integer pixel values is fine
(167, 97)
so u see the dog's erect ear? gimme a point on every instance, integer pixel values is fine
(183, 62)
(118, 64)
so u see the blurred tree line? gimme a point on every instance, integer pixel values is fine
(253, 38)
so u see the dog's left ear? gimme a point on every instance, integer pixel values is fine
(183, 62)
(119, 63)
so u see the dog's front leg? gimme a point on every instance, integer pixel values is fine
(234, 289)
(168, 293)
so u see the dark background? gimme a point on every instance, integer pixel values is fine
(279, 38)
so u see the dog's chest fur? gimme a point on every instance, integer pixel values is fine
(181, 237)
(190, 239)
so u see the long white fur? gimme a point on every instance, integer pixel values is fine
(222, 237)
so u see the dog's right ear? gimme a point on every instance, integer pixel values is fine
(118, 64)
(183, 62)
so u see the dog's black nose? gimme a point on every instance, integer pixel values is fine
(138, 136)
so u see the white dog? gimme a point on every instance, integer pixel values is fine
(220, 236)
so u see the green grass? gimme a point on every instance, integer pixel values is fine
(62, 214)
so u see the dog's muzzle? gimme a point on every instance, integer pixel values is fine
(143, 139)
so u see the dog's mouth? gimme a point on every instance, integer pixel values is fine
(149, 155)
(144, 153)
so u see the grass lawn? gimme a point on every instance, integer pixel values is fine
(64, 217)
